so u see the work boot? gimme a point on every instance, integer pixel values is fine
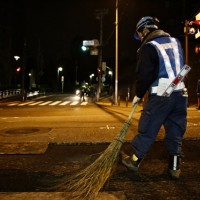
(131, 162)
(174, 173)
(174, 166)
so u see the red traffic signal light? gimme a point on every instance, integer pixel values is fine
(98, 70)
(197, 22)
(18, 69)
(197, 49)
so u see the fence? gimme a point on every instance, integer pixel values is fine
(9, 93)
(16, 92)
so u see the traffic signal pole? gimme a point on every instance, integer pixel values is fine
(99, 15)
(186, 41)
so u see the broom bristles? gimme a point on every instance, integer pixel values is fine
(87, 183)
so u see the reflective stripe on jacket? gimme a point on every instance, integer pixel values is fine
(170, 57)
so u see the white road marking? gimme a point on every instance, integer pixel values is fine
(74, 103)
(45, 103)
(84, 103)
(54, 103)
(13, 104)
(64, 103)
(36, 103)
(50, 103)
(26, 103)
(107, 127)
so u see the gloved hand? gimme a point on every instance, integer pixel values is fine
(135, 100)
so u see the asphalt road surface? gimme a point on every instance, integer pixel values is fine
(29, 173)
(76, 135)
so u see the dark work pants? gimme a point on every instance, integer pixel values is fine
(171, 112)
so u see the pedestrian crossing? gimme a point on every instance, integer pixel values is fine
(48, 103)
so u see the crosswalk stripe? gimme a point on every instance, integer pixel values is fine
(36, 103)
(54, 103)
(26, 103)
(74, 103)
(64, 103)
(13, 104)
(45, 103)
(84, 103)
(50, 103)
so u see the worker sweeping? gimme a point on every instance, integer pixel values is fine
(160, 59)
(160, 70)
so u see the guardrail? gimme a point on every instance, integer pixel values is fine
(10, 93)
(16, 92)
(30, 94)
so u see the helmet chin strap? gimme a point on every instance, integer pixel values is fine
(144, 32)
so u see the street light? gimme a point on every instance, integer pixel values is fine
(18, 69)
(91, 75)
(60, 69)
(16, 58)
(110, 73)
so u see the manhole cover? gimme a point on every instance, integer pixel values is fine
(22, 131)
(25, 131)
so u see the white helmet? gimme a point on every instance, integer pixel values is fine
(146, 22)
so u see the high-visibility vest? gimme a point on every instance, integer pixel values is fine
(170, 55)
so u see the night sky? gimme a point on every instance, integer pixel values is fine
(56, 28)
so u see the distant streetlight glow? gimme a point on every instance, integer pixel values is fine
(91, 76)
(60, 69)
(16, 57)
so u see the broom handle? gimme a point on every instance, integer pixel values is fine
(132, 112)
(122, 133)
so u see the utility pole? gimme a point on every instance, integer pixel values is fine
(116, 53)
(99, 15)
(186, 40)
(24, 72)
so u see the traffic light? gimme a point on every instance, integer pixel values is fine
(18, 69)
(193, 27)
(84, 48)
(197, 49)
(98, 70)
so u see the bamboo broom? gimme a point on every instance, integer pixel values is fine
(87, 183)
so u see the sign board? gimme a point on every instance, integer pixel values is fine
(197, 16)
(90, 43)
(197, 34)
(103, 66)
(94, 52)
(197, 19)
